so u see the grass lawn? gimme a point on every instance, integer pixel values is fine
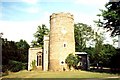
(67, 74)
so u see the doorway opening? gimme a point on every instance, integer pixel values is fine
(39, 59)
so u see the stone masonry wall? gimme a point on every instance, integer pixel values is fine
(61, 40)
(46, 52)
(33, 56)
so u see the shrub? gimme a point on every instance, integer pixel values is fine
(72, 61)
(15, 66)
(33, 64)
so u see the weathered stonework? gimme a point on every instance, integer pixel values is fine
(35, 54)
(58, 45)
(61, 40)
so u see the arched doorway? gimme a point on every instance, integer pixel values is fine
(39, 59)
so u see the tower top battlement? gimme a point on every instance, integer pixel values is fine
(62, 14)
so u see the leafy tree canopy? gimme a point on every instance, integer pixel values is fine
(39, 35)
(14, 55)
(22, 44)
(83, 33)
(110, 18)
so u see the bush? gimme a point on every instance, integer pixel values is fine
(33, 64)
(72, 61)
(15, 66)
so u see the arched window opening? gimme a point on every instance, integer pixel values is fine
(39, 59)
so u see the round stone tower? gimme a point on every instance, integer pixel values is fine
(62, 40)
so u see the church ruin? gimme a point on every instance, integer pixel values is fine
(57, 45)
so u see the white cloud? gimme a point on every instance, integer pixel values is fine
(1, 10)
(28, 9)
(32, 10)
(114, 0)
(45, 19)
(91, 2)
(15, 31)
(98, 4)
(84, 18)
(27, 1)
(30, 1)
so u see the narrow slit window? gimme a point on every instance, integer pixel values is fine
(64, 45)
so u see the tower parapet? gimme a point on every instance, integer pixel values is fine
(55, 15)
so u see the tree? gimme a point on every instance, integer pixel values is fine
(98, 54)
(102, 52)
(22, 44)
(14, 55)
(115, 62)
(9, 49)
(90, 51)
(34, 43)
(22, 47)
(83, 33)
(39, 35)
(109, 51)
(110, 18)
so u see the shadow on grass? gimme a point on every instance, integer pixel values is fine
(103, 70)
(5, 73)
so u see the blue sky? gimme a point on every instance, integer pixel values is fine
(19, 11)
(19, 18)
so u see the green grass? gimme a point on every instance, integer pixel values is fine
(67, 74)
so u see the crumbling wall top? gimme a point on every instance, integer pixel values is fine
(61, 14)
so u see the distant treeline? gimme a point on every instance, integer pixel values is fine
(15, 56)
(110, 58)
